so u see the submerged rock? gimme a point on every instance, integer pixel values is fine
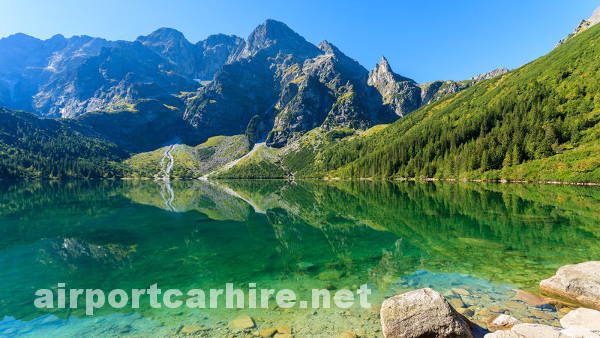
(348, 334)
(502, 322)
(530, 298)
(330, 275)
(461, 291)
(268, 332)
(242, 322)
(575, 284)
(284, 329)
(422, 313)
(456, 303)
(190, 329)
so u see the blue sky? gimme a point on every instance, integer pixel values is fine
(424, 40)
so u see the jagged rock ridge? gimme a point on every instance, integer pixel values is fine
(161, 88)
(583, 25)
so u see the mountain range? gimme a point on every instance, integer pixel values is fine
(275, 79)
(273, 105)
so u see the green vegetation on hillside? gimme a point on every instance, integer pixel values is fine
(303, 158)
(190, 162)
(532, 123)
(31, 147)
(262, 163)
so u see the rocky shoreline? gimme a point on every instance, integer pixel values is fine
(425, 313)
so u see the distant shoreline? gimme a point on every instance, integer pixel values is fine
(328, 179)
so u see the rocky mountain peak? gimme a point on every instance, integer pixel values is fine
(162, 35)
(269, 33)
(277, 36)
(172, 45)
(20, 38)
(383, 62)
(328, 48)
(342, 61)
(57, 37)
(220, 39)
(583, 25)
(383, 75)
(383, 67)
(399, 94)
(490, 75)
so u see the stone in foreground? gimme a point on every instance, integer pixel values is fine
(528, 331)
(577, 284)
(422, 313)
(502, 334)
(582, 318)
(536, 331)
(577, 332)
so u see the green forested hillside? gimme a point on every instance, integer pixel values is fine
(31, 147)
(522, 125)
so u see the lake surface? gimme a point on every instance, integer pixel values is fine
(484, 246)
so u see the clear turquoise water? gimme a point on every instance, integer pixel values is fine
(488, 239)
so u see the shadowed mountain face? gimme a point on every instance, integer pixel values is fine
(28, 64)
(68, 77)
(198, 61)
(275, 78)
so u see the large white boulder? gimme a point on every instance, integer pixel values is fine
(528, 331)
(422, 313)
(583, 318)
(577, 284)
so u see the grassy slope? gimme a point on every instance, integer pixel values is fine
(262, 164)
(191, 162)
(302, 158)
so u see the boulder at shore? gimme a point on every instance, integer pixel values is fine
(577, 284)
(422, 313)
(582, 318)
(528, 331)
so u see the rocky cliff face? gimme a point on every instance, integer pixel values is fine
(62, 77)
(329, 91)
(196, 61)
(490, 75)
(249, 85)
(115, 80)
(216, 49)
(401, 95)
(27, 63)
